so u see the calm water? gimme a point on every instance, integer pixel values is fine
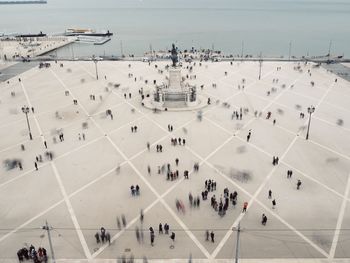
(264, 25)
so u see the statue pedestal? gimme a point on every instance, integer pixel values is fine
(175, 79)
(176, 96)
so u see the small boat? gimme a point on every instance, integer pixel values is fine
(87, 32)
(41, 34)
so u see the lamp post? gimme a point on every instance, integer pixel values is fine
(94, 59)
(48, 229)
(237, 243)
(25, 110)
(260, 65)
(310, 110)
(290, 50)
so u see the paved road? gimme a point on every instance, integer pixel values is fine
(16, 69)
(339, 69)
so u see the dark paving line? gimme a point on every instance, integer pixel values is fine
(16, 69)
(338, 69)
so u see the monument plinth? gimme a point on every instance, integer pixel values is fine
(175, 94)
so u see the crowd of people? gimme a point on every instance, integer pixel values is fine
(38, 256)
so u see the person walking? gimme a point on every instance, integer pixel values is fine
(141, 216)
(270, 194)
(273, 203)
(245, 205)
(298, 184)
(207, 235)
(151, 236)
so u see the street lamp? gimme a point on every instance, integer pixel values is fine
(260, 65)
(94, 59)
(310, 110)
(25, 110)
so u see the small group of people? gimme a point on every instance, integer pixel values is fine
(172, 175)
(180, 206)
(178, 141)
(125, 96)
(196, 167)
(123, 223)
(237, 115)
(170, 128)
(210, 185)
(160, 231)
(81, 136)
(103, 236)
(194, 201)
(275, 160)
(211, 235)
(31, 253)
(135, 190)
(159, 148)
(166, 228)
(133, 129)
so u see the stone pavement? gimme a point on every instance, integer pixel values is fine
(87, 185)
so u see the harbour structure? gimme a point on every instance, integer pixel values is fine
(23, 2)
(87, 32)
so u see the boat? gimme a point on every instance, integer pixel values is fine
(87, 32)
(23, 2)
(41, 34)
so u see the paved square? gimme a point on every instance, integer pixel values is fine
(87, 183)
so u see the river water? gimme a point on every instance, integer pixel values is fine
(266, 26)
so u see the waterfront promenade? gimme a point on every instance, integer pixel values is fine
(15, 49)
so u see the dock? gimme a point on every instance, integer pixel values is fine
(22, 2)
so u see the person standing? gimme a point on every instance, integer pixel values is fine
(108, 238)
(97, 236)
(248, 136)
(212, 235)
(160, 229)
(270, 194)
(263, 219)
(172, 236)
(166, 228)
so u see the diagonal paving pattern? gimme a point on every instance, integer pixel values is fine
(83, 69)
